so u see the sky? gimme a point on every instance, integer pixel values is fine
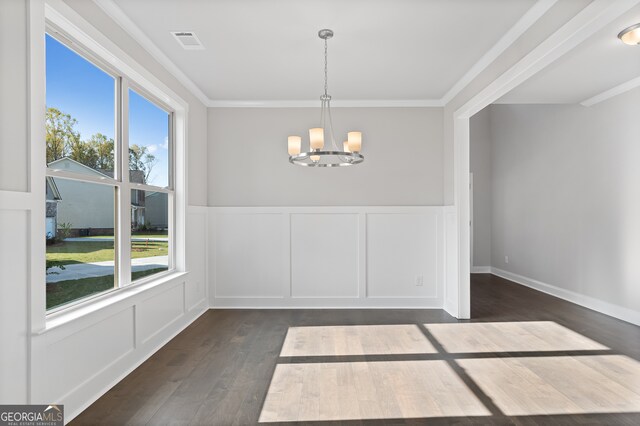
(79, 88)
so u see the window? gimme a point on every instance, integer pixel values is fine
(109, 177)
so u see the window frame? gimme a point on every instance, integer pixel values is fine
(120, 181)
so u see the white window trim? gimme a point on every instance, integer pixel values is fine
(61, 16)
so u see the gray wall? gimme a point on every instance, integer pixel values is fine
(14, 222)
(13, 102)
(565, 189)
(249, 164)
(480, 166)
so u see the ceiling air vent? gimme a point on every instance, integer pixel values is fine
(188, 40)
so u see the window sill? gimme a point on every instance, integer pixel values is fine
(104, 301)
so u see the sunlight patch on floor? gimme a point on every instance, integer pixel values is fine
(368, 390)
(558, 385)
(552, 376)
(535, 336)
(355, 340)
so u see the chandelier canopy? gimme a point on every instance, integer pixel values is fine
(319, 156)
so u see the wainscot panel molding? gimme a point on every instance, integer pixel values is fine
(86, 351)
(14, 273)
(327, 257)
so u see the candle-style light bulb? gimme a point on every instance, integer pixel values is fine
(294, 145)
(316, 138)
(354, 140)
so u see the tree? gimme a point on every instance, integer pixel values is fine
(84, 153)
(141, 159)
(60, 134)
(104, 149)
(97, 152)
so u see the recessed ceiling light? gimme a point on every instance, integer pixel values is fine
(630, 35)
(188, 40)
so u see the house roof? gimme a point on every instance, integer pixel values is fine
(51, 184)
(135, 176)
(67, 159)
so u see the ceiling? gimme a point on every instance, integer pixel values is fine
(595, 66)
(267, 50)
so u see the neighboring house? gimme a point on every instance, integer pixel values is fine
(86, 206)
(53, 198)
(157, 211)
(89, 208)
(137, 197)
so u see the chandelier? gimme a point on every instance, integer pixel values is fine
(318, 155)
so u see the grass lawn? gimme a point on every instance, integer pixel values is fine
(134, 235)
(65, 291)
(70, 252)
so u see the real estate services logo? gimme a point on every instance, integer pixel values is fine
(31, 415)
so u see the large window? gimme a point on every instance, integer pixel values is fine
(109, 185)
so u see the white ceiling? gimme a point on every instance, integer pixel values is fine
(382, 49)
(595, 66)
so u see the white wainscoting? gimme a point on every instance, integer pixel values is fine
(14, 276)
(83, 357)
(326, 257)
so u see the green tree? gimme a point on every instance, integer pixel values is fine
(60, 134)
(104, 149)
(97, 152)
(141, 159)
(84, 153)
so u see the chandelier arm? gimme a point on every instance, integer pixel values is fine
(333, 140)
(344, 159)
(322, 115)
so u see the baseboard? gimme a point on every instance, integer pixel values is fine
(327, 303)
(616, 311)
(481, 269)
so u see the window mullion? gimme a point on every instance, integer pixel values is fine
(124, 192)
(150, 188)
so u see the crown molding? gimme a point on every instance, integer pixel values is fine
(610, 93)
(525, 22)
(345, 103)
(582, 26)
(521, 26)
(121, 18)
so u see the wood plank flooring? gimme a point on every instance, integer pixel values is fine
(559, 384)
(355, 340)
(222, 368)
(368, 390)
(530, 336)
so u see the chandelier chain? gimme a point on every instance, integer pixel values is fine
(325, 68)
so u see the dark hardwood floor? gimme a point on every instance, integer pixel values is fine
(218, 370)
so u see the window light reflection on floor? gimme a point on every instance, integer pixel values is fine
(355, 340)
(526, 368)
(558, 384)
(368, 390)
(530, 336)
